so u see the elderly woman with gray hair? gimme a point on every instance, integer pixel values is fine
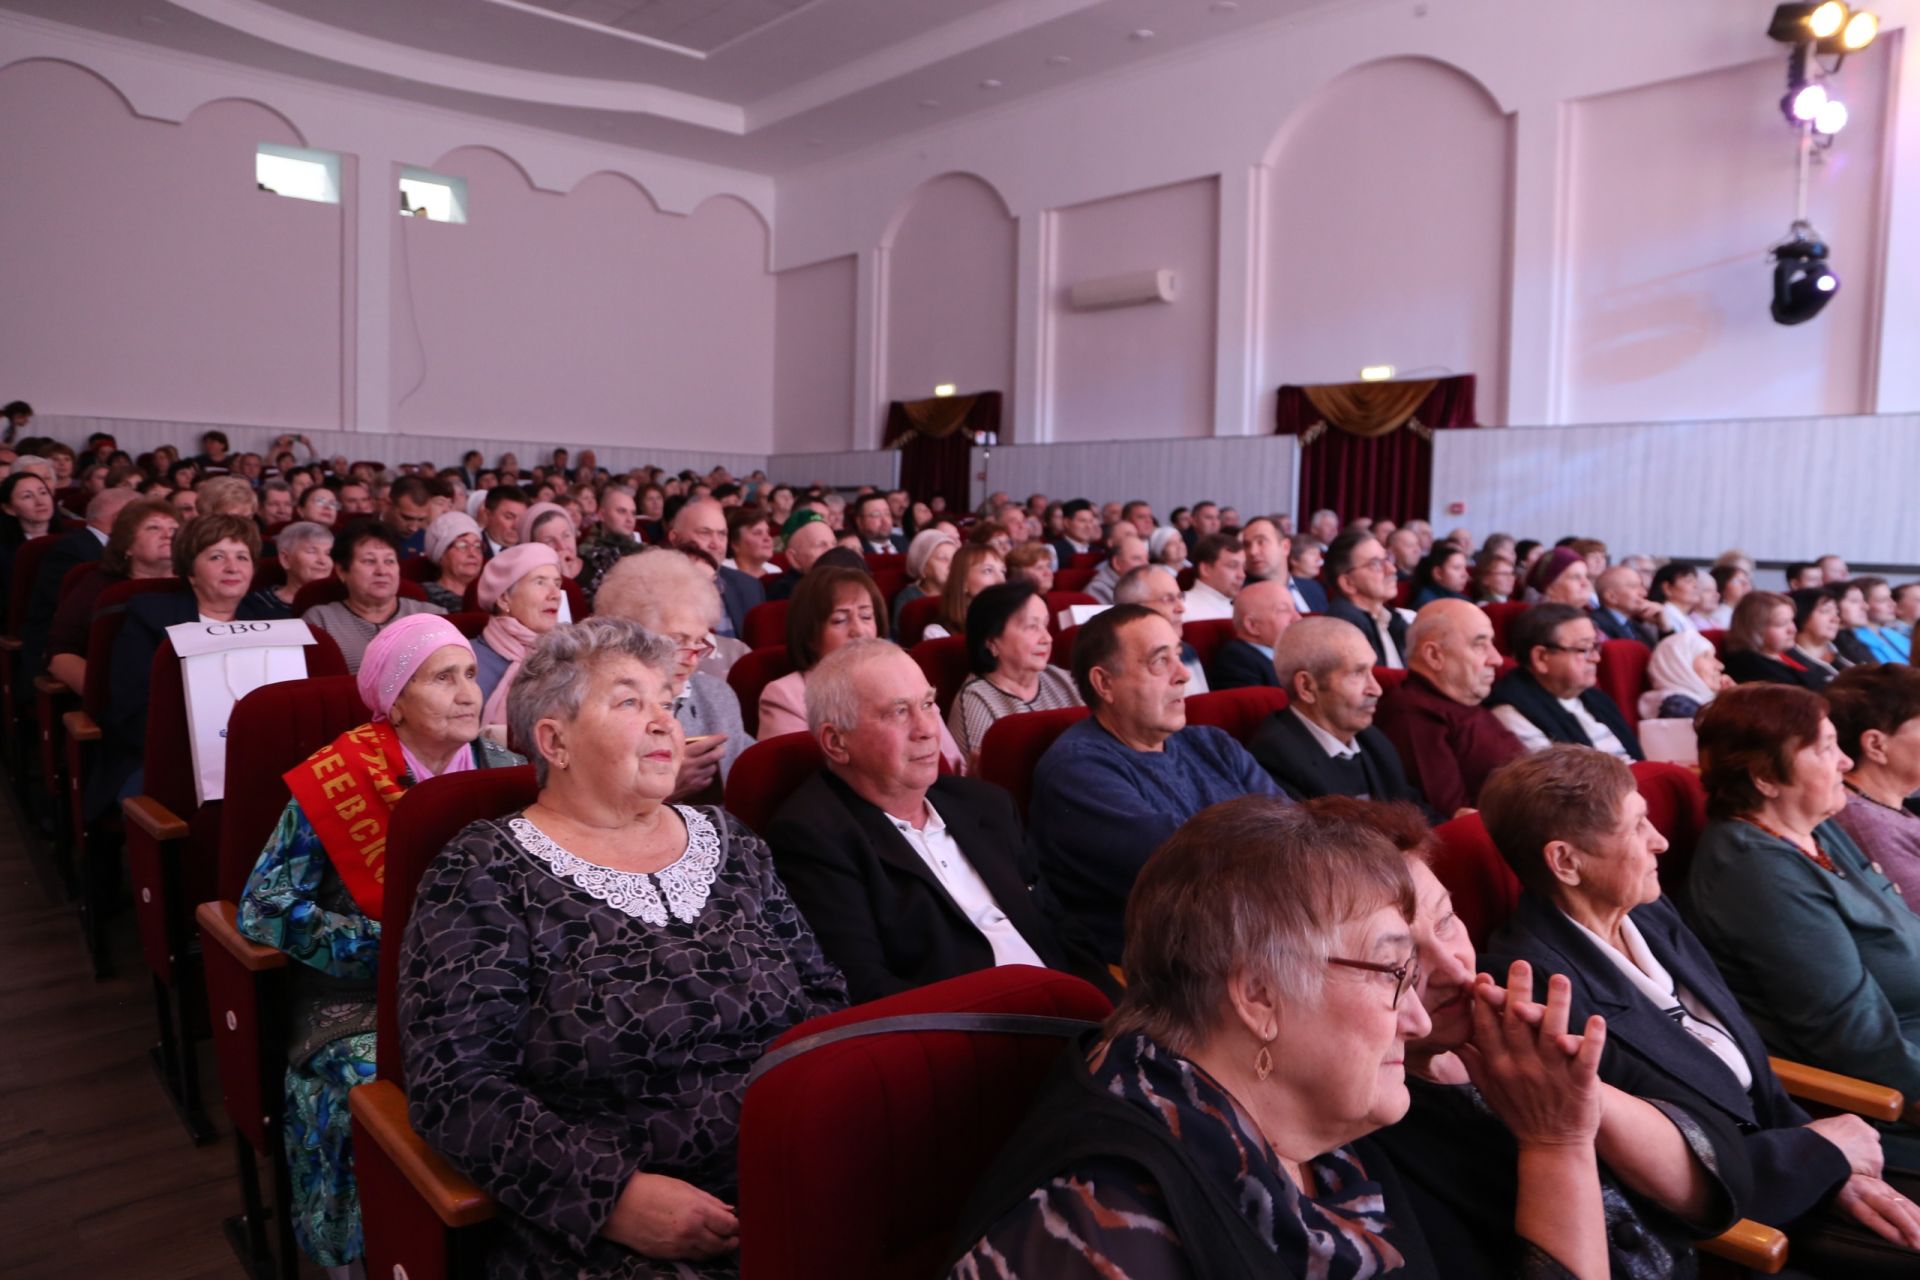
(305, 552)
(1218, 1124)
(669, 595)
(584, 984)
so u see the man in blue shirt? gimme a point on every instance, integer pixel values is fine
(1118, 783)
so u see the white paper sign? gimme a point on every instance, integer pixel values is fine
(221, 663)
(1670, 741)
(1075, 615)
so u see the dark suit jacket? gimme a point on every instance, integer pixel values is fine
(1613, 628)
(879, 912)
(1063, 551)
(740, 592)
(1748, 667)
(1794, 1169)
(896, 545)
(78, 547)
(1238, 665)
(1348, 611)
(1312, 592)
(1286, 750)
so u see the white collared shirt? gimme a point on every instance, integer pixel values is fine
(1384, 629)
(1204, 604)
(1300, 604)
(1334, 748)
(1652, 980)
(943, 856)
(1533, 738)
(96, 533)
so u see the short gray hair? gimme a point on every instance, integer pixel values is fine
(833, 687)
(299, 533)
(1136, 585)
(638, 585)
(1312, 645)
(554, 676)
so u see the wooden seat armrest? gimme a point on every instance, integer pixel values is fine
(154, 818)
(381, 1109)
(48, 685)
(217, 924)
(1844, 1093)
(1751, 1245)
(80, 726)
(9, 644)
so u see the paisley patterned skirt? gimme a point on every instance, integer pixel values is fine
(326, 1202)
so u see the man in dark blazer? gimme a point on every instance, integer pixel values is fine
(1551, 695)
(82, 546)
(701, 523)
(905, 876)
(1083, 533)
(1624, 612)
(872, 518)
(1262, 612)
(1364, 586)
(1324, 743)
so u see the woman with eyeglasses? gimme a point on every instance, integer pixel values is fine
(1575, 831)
(319, 504)
(1219, 1123)
(670, 595)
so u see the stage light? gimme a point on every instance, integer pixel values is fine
(1805, 103)
(1827, 19)
(1831, 118)
(1803, 283)
(1859, 32)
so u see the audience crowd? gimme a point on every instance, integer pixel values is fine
(1310, 1068)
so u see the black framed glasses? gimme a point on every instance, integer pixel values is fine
(1405, 974)
(1584, 650)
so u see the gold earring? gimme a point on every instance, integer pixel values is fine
(1262, 1063)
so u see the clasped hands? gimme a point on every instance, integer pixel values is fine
(1540, 1078)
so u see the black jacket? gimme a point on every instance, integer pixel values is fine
(1344, 609)
(1749, 667)
(1793, 1168)
(1285, 749)
(879, 912)
(76, 548)
(1521, 691)
(1614, 629)
(1238, 665)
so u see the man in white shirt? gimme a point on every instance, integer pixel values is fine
(1220, 570)
(908, 877)
(1551, 696)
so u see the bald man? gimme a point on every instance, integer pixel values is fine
(1448, 740)
(1324, 743)
(1624, 612)
(1262, 612)
(701, 524)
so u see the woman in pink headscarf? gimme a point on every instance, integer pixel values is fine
(316, 894)
(521, 588)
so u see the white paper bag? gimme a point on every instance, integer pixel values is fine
(221, 663)
(1670, 741)
(1075, 615)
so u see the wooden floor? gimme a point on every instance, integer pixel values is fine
(97, 1176)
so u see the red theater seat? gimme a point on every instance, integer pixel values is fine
(1502, 616)
(1069, 579)
(1207, 637)
(1623, 675)
(944, 659)
(1238, 711)
(766, 773)
(915, 617)
(1389, 678)
(858, 1155)
(1014, 744)
(766, 625)
(1059, 601)
(756, 669)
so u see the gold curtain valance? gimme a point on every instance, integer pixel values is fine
(934, 419)
(1367, 409)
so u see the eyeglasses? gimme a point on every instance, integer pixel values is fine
(692, 648)
(1584, 650)
(1405, 974)
(1377, 563)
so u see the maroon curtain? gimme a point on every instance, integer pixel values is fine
(935, 449)
(1385, 476)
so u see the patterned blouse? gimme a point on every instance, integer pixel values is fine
(981, 702)
(566, 1026)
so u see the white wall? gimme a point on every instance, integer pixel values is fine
(1257, 475)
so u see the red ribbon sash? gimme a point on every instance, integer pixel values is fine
(347, 790)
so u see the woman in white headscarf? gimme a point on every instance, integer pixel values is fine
(1685, 675)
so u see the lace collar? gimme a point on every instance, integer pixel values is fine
(681, 887)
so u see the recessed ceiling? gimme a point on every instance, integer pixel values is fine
(765, 85)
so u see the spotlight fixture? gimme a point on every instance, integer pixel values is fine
(1803, 283)
(1859, 32)
(1831, 25)
(1831, 118)
(1803, 104)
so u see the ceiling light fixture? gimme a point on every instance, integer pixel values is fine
(1376, 373)
(1803, 283)
(1805, 104)
(1831, 118)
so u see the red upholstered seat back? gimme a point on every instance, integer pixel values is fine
(1623, 675)
(468, 622)
(890, 581)
(1502, 616)
(766, 625)
(1059, 601)
(426, 818)
(766, 774)
(1187, 577)
(755, 670)
(1238, 711)
(885, 562)
(274, 728)
(1484, 888)
(944, 659)
(109, 612)
(1389, 678)
(26, 569)
(857, 1157)
(419, 569)
(1086, 560)
(1014, 745)
(915, 617)
(1718, 638)
(74, 577)
(1677, 807)
(1063, 648)
(1070, 579)
(1207, 637)
(1403, 595)
(268, 572)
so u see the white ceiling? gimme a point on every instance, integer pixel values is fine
(765, 85)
